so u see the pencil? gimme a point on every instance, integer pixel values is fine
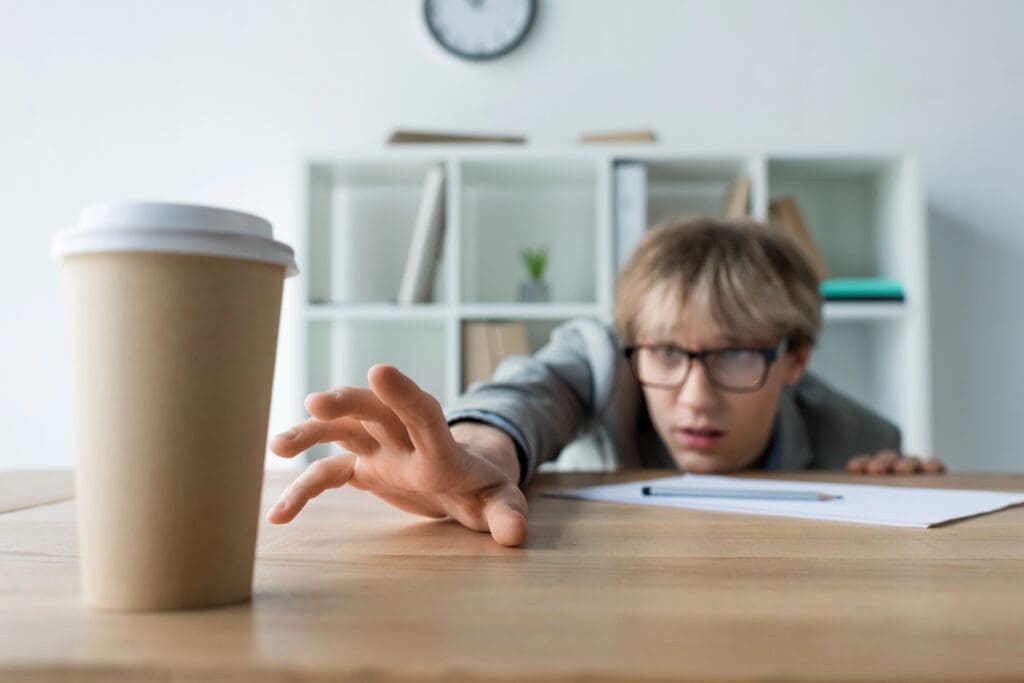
(756, 494)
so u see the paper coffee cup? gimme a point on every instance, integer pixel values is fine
(173, 315)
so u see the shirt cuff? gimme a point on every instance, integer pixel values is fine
(495, 420)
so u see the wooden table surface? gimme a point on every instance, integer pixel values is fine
(601, 591)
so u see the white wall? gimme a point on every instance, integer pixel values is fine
(217, 102)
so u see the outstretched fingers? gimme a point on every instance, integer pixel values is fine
(346, 431)
(419, 411)
(328, 473)
(363, 405)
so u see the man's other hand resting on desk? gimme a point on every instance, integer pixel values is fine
(890, 461)
(402, 450)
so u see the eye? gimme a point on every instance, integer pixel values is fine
(668, 353)
(738, 355)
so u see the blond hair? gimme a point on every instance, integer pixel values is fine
(754, 281)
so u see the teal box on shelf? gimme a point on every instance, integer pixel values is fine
(861, 289)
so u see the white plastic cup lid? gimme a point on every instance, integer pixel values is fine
(176, 228)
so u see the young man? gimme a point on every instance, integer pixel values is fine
(715, 323)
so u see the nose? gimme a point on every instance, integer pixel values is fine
(697, 392)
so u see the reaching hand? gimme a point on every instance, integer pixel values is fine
(401, 449)
(889, 461)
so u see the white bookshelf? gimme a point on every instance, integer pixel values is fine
(866, 214)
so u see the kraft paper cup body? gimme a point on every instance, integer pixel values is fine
(172, 369)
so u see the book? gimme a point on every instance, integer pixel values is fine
(862, 289)
(630, 209)
(508, 338)
(784, 213)
(486, 343)
(425, 243)
(476, 353)
(400, 137)
(736, 204)
(618, 136)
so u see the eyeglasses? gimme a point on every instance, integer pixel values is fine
(666, 366)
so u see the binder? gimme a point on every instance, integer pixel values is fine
(630, 209)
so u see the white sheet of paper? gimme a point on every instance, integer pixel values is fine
(863, 503)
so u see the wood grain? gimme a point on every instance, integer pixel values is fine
(354, 589)
(22, 489)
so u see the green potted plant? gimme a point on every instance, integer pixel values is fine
(535, 288)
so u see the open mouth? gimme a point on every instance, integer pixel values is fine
(700, 438)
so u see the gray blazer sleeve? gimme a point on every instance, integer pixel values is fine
(553, 395)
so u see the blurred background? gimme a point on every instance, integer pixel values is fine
(226, 103)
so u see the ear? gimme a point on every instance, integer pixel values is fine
(795, 364)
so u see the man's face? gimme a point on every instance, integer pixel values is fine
(708, 429)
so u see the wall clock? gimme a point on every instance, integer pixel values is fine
(479, 29)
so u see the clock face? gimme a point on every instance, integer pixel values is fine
(479, 29)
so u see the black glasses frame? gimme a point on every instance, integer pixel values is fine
(770, 356)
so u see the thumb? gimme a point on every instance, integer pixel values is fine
(506, 518)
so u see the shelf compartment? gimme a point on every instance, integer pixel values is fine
(689, 188)
(854, 209)
(511, 205)
(361, 218)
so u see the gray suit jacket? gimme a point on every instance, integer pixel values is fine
(580, 385)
